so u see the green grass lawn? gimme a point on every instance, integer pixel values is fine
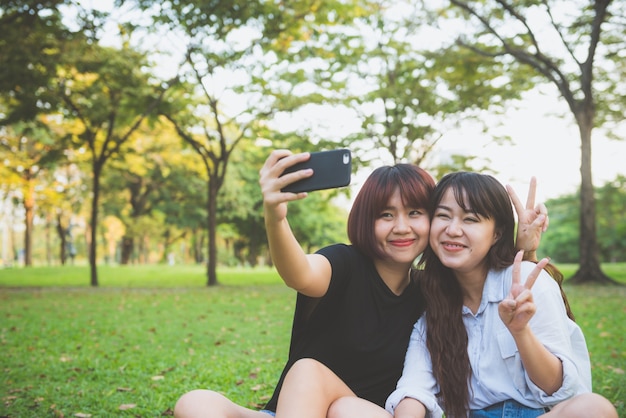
(150, 333)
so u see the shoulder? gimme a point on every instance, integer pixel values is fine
(499, 281)
(544, 281)
(526, 268)
(334, 249)
(342, 254)
(346, 262)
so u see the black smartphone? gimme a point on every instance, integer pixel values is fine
(331, 169)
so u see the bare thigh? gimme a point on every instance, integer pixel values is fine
(309, 389)
(209, 404)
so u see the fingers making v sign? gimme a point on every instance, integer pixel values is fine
(518, 307)
(532, 219)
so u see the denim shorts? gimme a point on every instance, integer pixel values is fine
(507, 409)
(267, 411)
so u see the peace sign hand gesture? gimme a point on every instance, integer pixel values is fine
(518, 307)
(532, 219)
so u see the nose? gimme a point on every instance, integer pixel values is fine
(402, 224)
(454, 228)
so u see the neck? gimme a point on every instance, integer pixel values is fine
(472, 286)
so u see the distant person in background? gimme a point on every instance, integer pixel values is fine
(356, 304)
(496, 339)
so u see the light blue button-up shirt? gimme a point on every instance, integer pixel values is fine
(497, 370)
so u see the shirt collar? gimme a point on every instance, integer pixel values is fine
(492, 293)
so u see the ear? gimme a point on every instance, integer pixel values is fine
(496, 236)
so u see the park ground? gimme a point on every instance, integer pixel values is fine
(148, 334)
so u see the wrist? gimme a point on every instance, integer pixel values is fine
(521, 335)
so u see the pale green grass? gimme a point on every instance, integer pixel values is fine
(151, 276)
(151, 333)
(92, 351)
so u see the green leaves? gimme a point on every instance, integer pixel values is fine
(30, 49)
(561, 241)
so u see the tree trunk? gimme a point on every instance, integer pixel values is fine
(128, 246)
(589, 270)
(212, 223)
(29, 209)
(48, 240)
(198, 243)
(253, 250)
(93, 268)
(61, 233)
(144, 250)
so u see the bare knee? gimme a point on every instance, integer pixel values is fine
(340, 408)
(309, 367)
(311, 373)
(596, 406)
(308, 375)
(585, 405)
(311, 383)
(351, 406)
(201, 403)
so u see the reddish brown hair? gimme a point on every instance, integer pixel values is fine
(415, 186)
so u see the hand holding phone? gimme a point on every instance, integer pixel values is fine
(331, 169)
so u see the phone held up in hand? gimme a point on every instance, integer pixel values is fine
(331, 169)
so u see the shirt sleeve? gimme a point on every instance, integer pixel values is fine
(417, 381)
(341, 258)
(562, 337)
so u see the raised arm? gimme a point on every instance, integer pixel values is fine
(532, 221)
(307, 273)
(543, 367)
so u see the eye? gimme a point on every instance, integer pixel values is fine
(416, 212)
(473, 217)
(385, 215)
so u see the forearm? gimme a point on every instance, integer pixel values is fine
(543, 368)
(528, 243)
(287, 255)
(309, 274)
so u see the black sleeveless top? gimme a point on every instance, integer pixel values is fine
(359, 329)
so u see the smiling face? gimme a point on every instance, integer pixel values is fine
(461, 238)
(401, 232)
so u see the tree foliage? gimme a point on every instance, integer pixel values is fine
(245, 76)
(242, 49)
(110, 94)
(408, 93)
(561, 239)
(31, 47)
(577, 47)
(28, 149)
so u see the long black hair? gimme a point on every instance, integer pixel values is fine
(446, 335)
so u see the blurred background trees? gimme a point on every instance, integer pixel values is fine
(134, 133)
